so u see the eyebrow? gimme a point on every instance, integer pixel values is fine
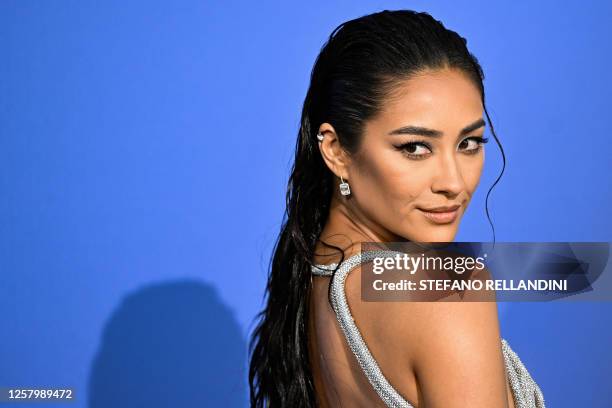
(421, 131)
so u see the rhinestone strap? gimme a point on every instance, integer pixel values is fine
(526, 392)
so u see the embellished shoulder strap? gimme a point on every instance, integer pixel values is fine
(353, 336)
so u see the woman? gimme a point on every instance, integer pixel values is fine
(390, 149)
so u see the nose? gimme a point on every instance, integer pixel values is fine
(449, 179)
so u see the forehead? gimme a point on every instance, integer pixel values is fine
(444, 99)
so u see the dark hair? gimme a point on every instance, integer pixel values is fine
(355, 72)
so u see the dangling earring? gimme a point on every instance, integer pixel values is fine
(344, 187)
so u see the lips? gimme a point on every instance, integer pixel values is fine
(441, 215)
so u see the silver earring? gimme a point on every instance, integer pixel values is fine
(344, 187)
(320, 137)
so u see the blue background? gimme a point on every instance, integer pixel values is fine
(144, 154)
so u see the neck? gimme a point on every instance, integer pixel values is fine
(347, 227)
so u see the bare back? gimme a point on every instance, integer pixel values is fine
(339, 380)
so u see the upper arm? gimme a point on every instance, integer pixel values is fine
(457, 357)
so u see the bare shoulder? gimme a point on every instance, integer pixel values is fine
(445, 354)
(460, 342)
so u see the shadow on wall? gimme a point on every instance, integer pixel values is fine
(170, 345)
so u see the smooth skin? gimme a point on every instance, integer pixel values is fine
(435, 354)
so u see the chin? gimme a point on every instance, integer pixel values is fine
(434, 233)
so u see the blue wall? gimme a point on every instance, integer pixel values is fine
(144, 153)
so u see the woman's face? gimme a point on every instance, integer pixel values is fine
(421, 158)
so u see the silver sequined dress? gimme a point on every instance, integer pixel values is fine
(526, 392)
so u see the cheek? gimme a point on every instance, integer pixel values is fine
(471, 170)
(391, 182)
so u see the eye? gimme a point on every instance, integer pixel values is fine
(473, 144)
(415, 150)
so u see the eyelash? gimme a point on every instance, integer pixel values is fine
(406, 146)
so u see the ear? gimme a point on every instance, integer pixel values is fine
(334, 156)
